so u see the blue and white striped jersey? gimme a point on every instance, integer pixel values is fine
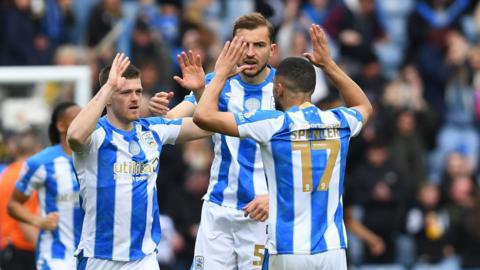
(117, 174)
(304, 151)
(237, 174)
(51, 173)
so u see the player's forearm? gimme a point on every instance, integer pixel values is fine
(190, 131)
(19, 212)
(351, 93)
(30, 232)
(184, 109)
(84, 124)
(208, 105)
(198, 93)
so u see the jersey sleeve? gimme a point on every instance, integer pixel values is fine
(32, 176)
(191, 97)
(259, 125)
(167, 130)
(94, 141)
(352, 117)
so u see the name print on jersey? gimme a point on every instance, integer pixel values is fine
(136, 171)
(315, 134)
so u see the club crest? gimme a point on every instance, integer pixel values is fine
(134, 148)
(199, 263)
(148, 138)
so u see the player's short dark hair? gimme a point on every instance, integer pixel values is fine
(58, 111)
(132, 72)
(298, 74)
(253, 21)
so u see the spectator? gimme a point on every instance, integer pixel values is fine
(23, 42)
(57, 21)
(428, 28)
(379, 189)
(17, 240)
(315, 11)
(457, 165)
(405, 91)
(409, 157)
(56, 92)
(184, 206)
(429, 223)
(371, 79)
(102, 19)
(147, 50)
(465, 212)
(459, 129)
(356, 27)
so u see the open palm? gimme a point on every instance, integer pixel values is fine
(321, 53)
(119, 65)
(193, 76)
(231, 54)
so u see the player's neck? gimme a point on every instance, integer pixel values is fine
(119, 124)
(64, 144)
(295, 101)
(258, 79)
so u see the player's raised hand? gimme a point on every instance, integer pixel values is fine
(257, 209)
(321, 53)
(158, 104)
(119, 65)
(231, 54)
(193, 76)
(50, 222)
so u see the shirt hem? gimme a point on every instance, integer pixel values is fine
(304, 252)
(118, 259)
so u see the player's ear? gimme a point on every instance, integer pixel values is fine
(273, 49)
(61, 127)
(109, 101)
(280, 89)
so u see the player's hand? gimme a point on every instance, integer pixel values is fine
(50, 222)
(192, 71)
(158, 104)
(257, 209)
(320, 56)
(119, 65)
(377, 246)
(231, 54)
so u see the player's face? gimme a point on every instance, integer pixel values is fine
(67, 118)
(260, 48)
(125, 103)
(70, 114)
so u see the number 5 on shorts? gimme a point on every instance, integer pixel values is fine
(259, 252)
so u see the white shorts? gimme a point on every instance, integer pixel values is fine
(228, 240)
(67, 263)
(329, 260)
(147, 262)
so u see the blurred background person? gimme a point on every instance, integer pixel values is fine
(51, 174)
(17, 239)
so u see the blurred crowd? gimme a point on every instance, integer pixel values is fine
(412, 175)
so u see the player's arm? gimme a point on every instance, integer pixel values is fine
(18, 211)
(84, 124)
(30, 232)
(374, 242)
(193, 78)
(351, 93)
(207, 116)
(190, 131)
